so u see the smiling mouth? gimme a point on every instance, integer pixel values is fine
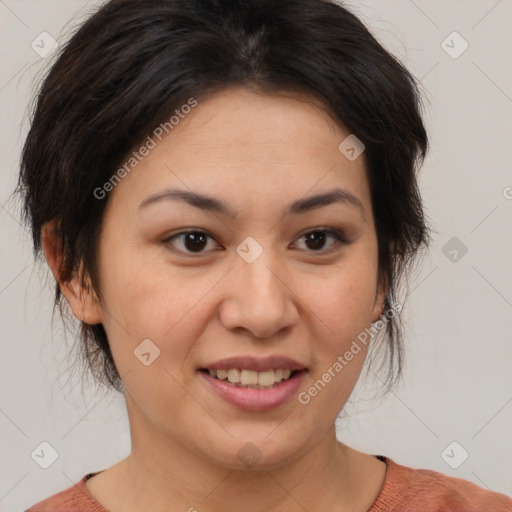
(250, 379)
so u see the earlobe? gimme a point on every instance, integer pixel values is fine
(377, 312)
(82, 300)
(380, 300)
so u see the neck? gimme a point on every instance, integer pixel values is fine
(158, 473)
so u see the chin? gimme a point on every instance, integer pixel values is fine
(256, 452)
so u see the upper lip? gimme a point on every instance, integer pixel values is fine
(256, 364)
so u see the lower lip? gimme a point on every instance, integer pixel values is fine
(256, 399)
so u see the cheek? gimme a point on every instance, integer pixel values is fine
(343, 300)
(154, 329)
(343, 306)
(146, 300)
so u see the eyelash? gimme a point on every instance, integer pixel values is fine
(338, 235)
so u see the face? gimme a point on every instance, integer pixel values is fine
(258, 285)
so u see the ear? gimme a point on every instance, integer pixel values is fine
(380, 299)
(83, 301)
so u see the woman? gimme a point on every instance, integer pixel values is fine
(225, 192)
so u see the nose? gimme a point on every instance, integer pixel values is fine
(258, 297)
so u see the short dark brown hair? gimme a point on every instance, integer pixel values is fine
(133, 62)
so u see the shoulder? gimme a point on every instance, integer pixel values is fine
(423, 490)
(73, 499)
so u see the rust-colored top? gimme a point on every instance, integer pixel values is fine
(405, 489)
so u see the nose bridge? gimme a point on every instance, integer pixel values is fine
(261, 298)
(257, 270)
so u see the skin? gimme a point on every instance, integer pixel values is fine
(296, 299)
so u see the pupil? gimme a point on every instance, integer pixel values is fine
(318, 237)
(198, 241)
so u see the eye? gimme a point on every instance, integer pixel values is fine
(316, 239)
(195, 241)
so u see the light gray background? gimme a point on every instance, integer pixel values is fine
(457, 385)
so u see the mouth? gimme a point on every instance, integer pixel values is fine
(254, 384)
(250, 379)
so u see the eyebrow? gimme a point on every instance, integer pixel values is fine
(304, 205)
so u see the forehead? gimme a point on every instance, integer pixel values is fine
(237, 119)
(243, 145)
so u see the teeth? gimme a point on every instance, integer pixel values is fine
(250, 378)
(234, 376)
(266, 378)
